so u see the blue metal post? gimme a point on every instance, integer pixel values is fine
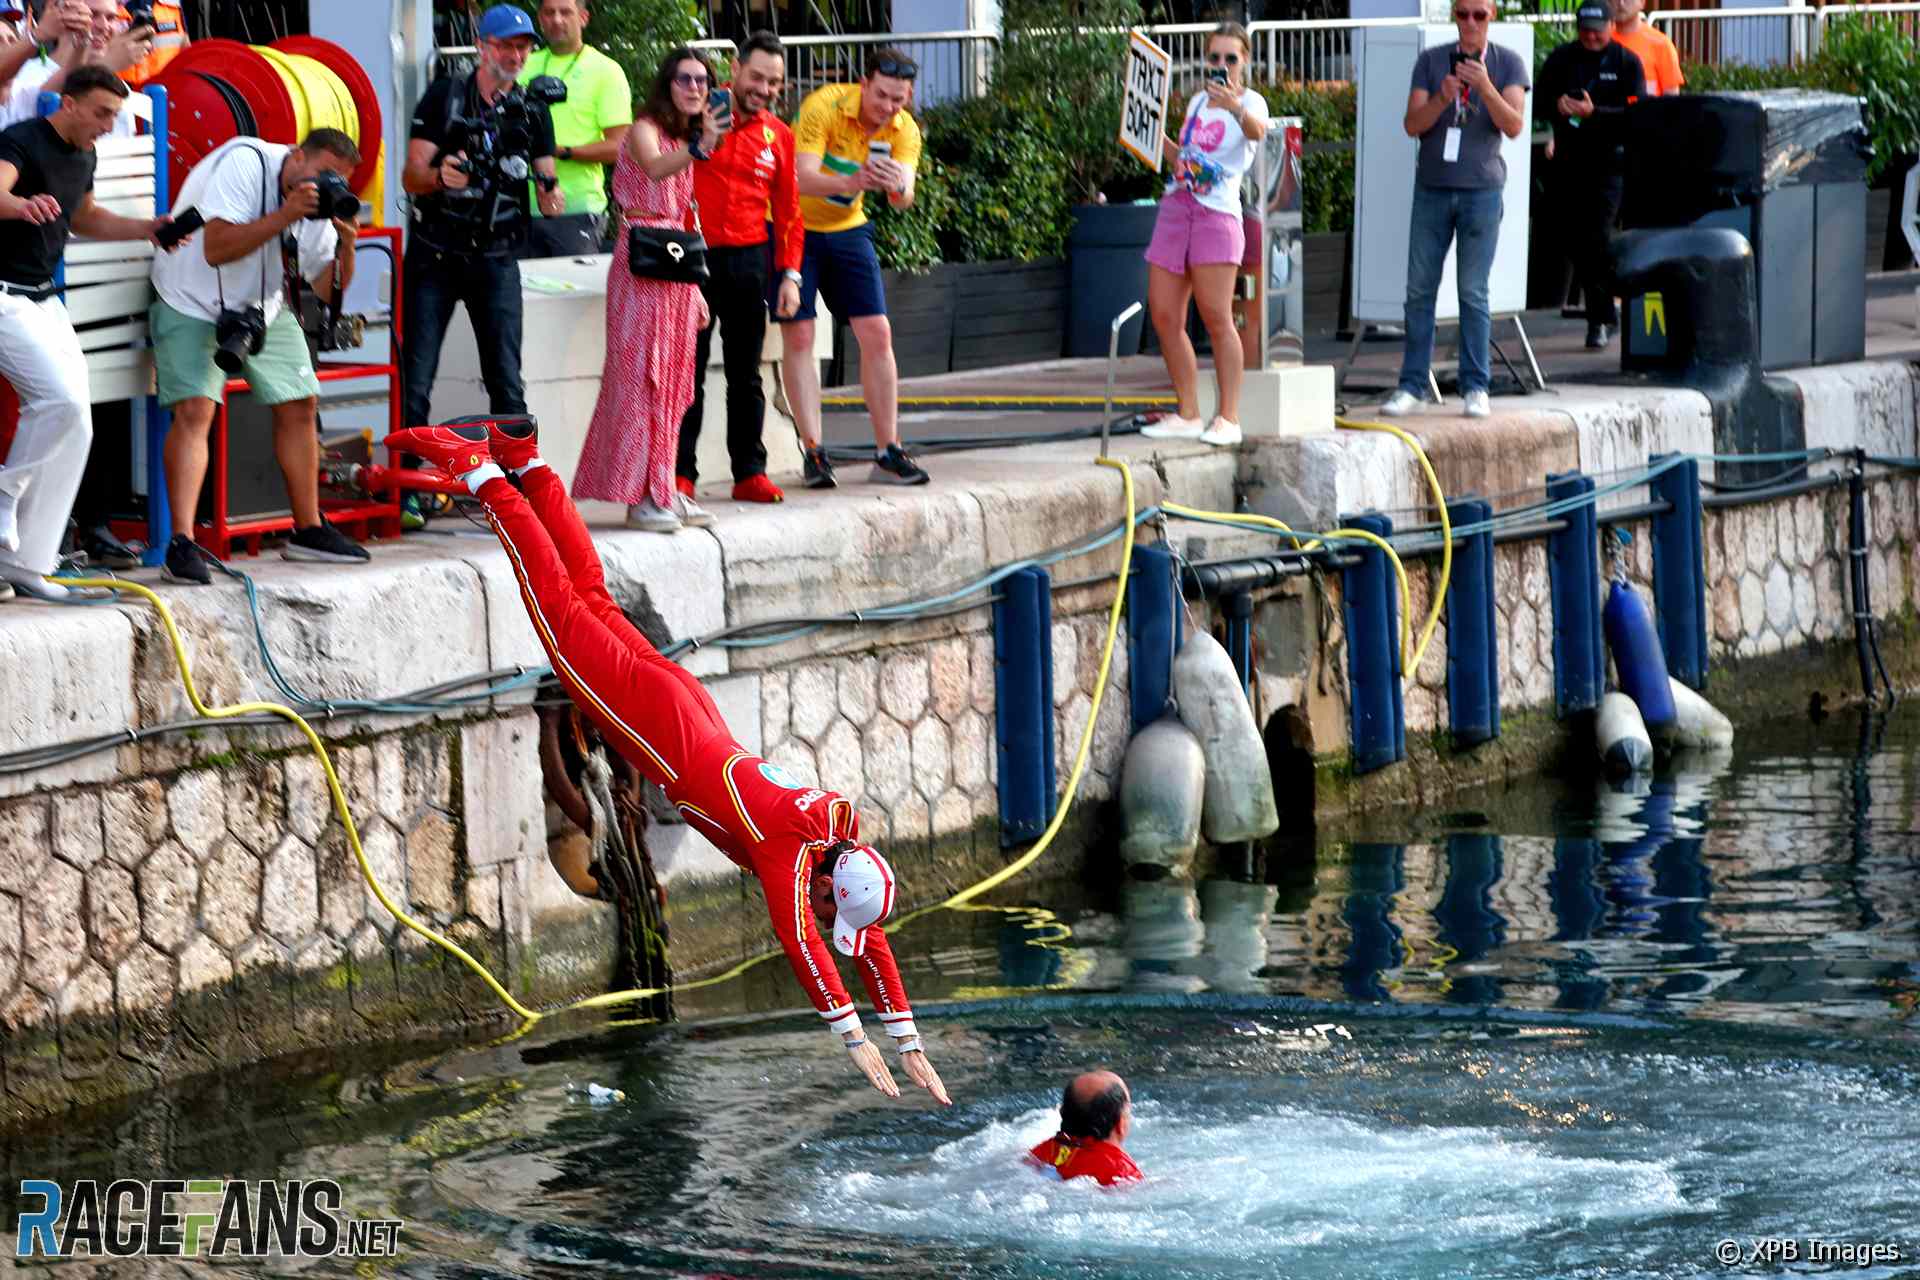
(159, 510)
(1573, 562)
(1473, 666)
(1680, 572)
(1239, 611)
(1373, 652)
(1155, 628)
(1023, 703)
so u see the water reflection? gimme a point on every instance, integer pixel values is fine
(1772, 889)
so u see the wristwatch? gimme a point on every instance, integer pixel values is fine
(564, 153)
(791, 274)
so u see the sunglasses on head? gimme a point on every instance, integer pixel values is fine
(896, 68)
(1472, 15)
(1223, 59)
(690, 80)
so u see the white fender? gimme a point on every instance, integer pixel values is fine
(1239, 799)
(1236, 917)
(1621, 735)
(1162, 788)
(1162, 935)
(1697, 722)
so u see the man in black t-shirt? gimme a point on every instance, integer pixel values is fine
(46, 193)
(1585, 86)
(470, 214)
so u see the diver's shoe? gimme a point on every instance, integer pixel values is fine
(456, 448)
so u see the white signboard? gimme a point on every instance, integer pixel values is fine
(1143, 106)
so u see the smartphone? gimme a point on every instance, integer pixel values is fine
(1217, 74)
(879, 149)
(720, 105)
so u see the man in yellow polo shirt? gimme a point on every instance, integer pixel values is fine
(850, 139)
(588, 130)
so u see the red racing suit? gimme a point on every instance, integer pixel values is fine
(665, 723)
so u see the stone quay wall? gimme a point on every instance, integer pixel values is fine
(188, 901)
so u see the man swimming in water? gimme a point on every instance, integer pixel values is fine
(1096, 1112)
(792, 837)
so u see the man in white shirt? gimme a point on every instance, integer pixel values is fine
(227, 299)
(80, 32)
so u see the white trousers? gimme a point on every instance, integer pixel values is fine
(40, 355)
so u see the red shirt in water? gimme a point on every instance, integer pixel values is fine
(1093, 1158)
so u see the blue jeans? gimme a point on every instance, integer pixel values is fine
(489, 286)
(1440, 215)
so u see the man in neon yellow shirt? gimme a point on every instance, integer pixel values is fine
(850, 139)
(589, 129)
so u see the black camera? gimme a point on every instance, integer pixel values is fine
(139, 14)
(334, 332)
(237, 335)
(336, 201)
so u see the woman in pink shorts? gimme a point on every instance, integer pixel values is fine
(1200, 237)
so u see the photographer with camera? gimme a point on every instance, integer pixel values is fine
(588, 130)
(46, 191)
(168, 23)
(472, 146)
(1466, 99)
(274, 214)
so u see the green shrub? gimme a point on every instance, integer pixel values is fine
(1877, 62)
(909, 239)
(636, 34)
(1004, 176)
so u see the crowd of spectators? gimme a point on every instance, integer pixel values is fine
(537, 152)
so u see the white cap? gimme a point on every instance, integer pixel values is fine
(862, 897)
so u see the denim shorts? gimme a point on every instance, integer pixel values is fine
(842, 266)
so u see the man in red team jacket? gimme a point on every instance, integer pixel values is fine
(748, 178)
(1096, 1111)
(663, 720)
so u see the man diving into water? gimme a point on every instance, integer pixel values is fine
(795, 839)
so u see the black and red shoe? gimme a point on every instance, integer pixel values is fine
(454, 447)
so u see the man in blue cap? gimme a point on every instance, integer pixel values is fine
(473, 144)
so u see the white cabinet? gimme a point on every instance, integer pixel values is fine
(1383, 179)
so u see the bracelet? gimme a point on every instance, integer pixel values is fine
(907, 1044)
(861, 1043)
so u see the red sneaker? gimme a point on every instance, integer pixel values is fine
(758, 489)
(456, 448)
(684, 485)
(514, 438)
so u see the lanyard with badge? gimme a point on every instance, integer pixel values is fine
(1463, 110)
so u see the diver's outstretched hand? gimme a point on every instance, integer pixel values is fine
(921, 1072)
(866, 1056)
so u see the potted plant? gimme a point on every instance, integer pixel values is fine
(1060, 75)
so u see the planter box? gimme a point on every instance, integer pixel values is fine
(1008, 312)
(1328, 265)
(965, 315)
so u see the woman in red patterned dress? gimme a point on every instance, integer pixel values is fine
(652, 325)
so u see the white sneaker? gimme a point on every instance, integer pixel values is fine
(652, 517)
(691, 513)
(1174, 427)
(1400, 404)
(12, 486)
(1478, 406)
(1221, 431)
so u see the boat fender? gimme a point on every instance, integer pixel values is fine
(1621, 735)
(1162, 788)
(1637, 657)
(1239, 782)
(1697, 722)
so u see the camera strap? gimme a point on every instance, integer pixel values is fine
(266, 194)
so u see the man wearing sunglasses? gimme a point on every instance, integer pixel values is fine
(850, 139)
(1467, 98)
(1585, 86)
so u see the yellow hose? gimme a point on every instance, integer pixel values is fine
(1446, 528)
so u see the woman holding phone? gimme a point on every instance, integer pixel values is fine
(1199, 238)
(652, 325)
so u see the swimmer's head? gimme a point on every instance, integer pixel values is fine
(1096, 1106)
(862, 886)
